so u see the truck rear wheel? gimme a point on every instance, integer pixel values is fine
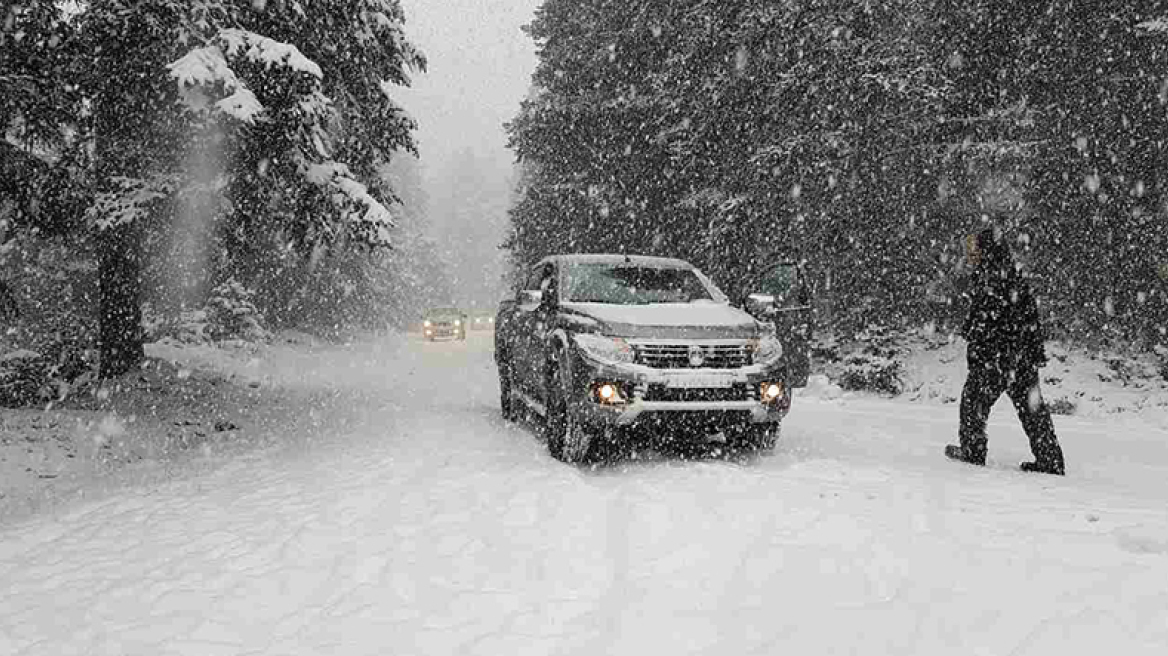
(506, 400)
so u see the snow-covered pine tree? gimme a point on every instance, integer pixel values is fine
(293, 86)
(311, 118)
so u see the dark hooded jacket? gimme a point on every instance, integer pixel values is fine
(1003, 326)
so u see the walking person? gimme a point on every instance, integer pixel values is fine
(1005, 352)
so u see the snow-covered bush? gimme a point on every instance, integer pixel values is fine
(872, 373)
(23, 378)
(47, 336)
(186, 327)
(231, 314)
(825, 349)
(1061, 407)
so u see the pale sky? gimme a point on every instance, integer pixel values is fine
(480, 68)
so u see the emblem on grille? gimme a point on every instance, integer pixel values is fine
(697, 356)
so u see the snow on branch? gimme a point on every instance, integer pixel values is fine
(242, 104)
(129, 201)
(1155, 25)
(269, 52)
(203, 67)
(353, 199)
(210, 65)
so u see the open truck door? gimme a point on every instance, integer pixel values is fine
(783, 297)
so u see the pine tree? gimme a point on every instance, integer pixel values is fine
(297, 92)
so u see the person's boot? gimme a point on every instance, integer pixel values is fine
(960, 453)
(1040, 467)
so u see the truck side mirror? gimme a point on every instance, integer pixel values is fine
(760, 305)
(547, 300)
(530, 297)
(547, 294)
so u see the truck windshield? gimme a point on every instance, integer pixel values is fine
(631, 285)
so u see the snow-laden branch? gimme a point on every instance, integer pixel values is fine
(130, 200)
(1156, 25)
(204, 66)
(269, 52)
(210, 66)
(242, 105)
(353, 199)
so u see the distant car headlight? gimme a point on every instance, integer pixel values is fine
(767, 350)
(605, 349)
(427, 323)
(457, 323)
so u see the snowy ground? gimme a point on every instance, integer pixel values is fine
(1076, 382)
(423, 524)
(144, 426)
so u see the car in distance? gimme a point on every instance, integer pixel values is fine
(444, 323)
(603, 345)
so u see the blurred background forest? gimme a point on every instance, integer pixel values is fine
(864, 139)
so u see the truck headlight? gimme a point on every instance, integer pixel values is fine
(770, 392)
(427, 323)
(457, 323)
(767, 350)
(605, 349)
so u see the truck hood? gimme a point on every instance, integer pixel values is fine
(667, 320)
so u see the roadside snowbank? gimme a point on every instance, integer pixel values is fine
(190, 407)
(1075, 382)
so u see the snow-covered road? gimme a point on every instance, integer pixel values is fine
(426, 525)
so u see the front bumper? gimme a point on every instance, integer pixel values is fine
(647, 384)
(436, 332)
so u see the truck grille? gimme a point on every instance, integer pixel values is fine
(678, 356)
(739, 392)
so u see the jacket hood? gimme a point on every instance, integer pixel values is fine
(996, 261)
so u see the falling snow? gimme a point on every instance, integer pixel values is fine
(234, 237)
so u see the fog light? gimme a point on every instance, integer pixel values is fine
(608, 394)
(771, 392)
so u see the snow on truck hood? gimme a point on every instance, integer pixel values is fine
(710, 319)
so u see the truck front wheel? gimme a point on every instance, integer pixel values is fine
(568, 439)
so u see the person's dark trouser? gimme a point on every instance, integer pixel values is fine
(983, 387)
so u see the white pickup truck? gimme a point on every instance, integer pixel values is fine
(621, 347)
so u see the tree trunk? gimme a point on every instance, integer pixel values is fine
(120, 279)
